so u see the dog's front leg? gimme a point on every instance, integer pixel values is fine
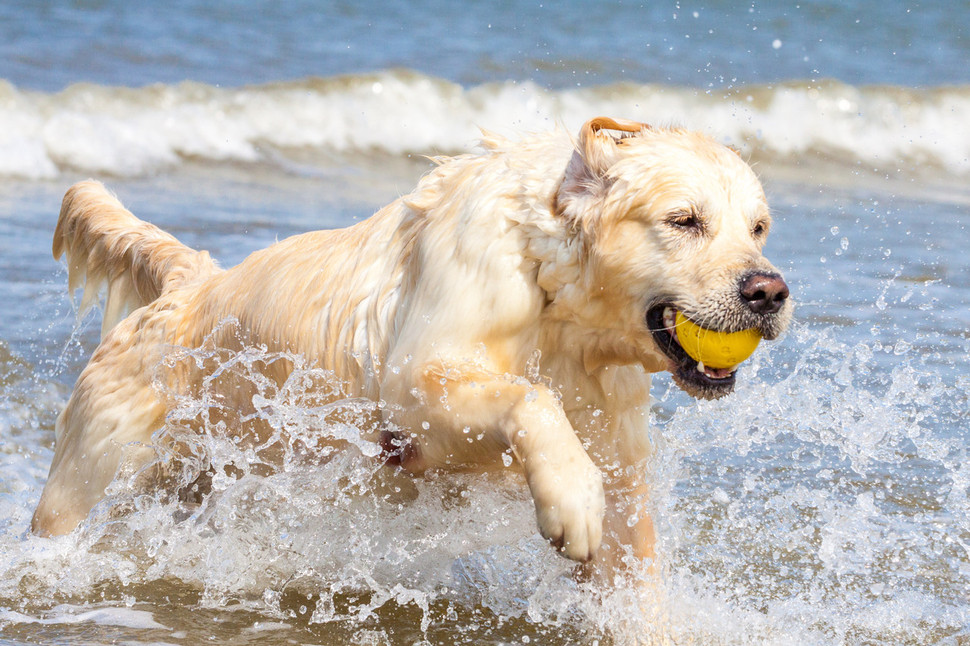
(511, 414)
(622, 444)
(566, 486)
(629, 525)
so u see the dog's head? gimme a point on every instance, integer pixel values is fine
(667, 220)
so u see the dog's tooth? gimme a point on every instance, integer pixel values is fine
(669, 317)
(700, 366)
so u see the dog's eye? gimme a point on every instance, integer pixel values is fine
(688, 220)
(759, 230)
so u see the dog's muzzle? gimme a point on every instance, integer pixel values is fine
(763, 298)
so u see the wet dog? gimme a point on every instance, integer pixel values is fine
(518, 298)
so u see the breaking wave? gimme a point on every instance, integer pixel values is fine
(142, 131)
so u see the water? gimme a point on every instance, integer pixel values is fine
(824, 503)
(49, 44)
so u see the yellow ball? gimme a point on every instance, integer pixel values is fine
(715, 349)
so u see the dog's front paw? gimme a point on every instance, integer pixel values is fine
(569, 507)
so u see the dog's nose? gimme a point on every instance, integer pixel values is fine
(764, 293)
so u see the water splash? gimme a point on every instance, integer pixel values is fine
(834, 498)
(824, 503)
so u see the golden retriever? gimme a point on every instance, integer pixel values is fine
(514, 304)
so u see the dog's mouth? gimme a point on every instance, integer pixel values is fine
(693, 377)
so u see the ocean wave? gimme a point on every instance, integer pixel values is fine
(140, 131)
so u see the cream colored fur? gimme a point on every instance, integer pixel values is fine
(506, 295)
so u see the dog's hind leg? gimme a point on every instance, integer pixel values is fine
(108, 424)
(114, 409)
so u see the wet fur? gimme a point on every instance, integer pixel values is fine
(505, 296)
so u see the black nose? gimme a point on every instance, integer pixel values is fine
(764, 293)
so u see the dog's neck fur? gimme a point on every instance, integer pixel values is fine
(559, 244)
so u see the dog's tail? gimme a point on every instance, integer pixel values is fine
(108, 246)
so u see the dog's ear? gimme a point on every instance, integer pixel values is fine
(597, 146)
(596, 151)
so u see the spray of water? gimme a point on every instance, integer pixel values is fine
(825, 502)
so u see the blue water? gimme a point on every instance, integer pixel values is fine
(47, 45)
(826, 502)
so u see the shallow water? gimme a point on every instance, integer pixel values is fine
(825, 502)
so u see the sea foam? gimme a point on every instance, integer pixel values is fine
(142, 131)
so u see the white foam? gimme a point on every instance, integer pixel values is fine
(132, 132)
(107, 616)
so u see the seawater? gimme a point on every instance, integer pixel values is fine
(825, 502)
(49, 44)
